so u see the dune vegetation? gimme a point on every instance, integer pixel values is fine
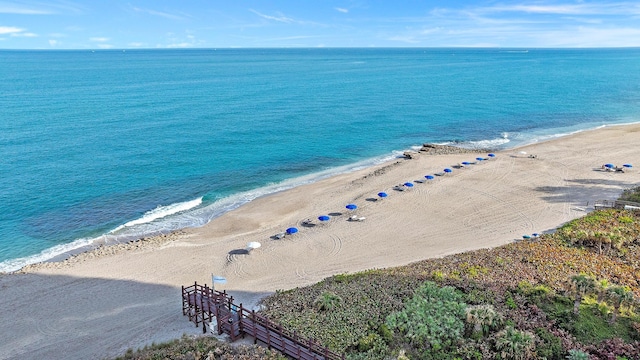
(572, 294)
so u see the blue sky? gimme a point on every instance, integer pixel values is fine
(104, 24)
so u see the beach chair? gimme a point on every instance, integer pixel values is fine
(356, 218)
(279, 236)
(399, 188)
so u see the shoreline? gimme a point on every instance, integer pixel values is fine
(131, 298)
(98, 244)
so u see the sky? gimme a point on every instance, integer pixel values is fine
(115, 24)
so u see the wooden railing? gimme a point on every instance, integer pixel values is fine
(618, 204)
(202, 304)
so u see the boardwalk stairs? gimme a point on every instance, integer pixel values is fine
(204, 305)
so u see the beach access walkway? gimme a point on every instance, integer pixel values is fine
(203, 305)
(617, 204)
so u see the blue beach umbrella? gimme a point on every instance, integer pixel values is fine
(627, 165)
(382, 194)
(292, 230)
(447, 170)
(408, 184)
(491, 155)
(610, 166)
(479, 158)
(535, 234)
(526, 237)
(465, 163)
(429, 177)
(352, 206)
(323, 218)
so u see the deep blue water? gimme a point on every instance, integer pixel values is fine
(91, 141)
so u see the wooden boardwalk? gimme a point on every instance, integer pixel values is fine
(203, 304)
(618, 204)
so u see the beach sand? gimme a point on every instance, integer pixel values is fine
(100, 304)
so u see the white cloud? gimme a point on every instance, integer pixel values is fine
(280, 18)
(24, 34)
(163, 14)
(40, 8)
(136, 44)
(53, 42)
(342, 10)
(10, 30)
(99, 39)
(105, 46)
(620, 8)
(21, 10)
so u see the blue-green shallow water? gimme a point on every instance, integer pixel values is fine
(166, 139)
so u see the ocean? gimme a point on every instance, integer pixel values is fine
(110, 146)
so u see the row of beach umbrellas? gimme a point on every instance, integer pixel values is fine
(322, 218)
(382, 194)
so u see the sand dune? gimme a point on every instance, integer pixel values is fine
(100, 304)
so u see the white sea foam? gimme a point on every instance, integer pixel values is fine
(47, 254)
(161, 212)
(483, 144)
(189, 214)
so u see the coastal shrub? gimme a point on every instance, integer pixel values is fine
(372, 341)
(433, 318)
(201, 348)
(515, 344)
(582, 285)
(603, 230)
(591, 326)
(437, 275)
(548, 346)
(615, 348)
(482, 318)
(577, 355)
(327, 301)
(510, 302)
(618, 296)
(632, 194)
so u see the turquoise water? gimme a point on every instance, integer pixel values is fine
(112, 145)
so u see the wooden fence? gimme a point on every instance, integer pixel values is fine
(203, 304)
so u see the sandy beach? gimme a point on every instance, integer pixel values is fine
(102, 303)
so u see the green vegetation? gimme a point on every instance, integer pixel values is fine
(515, 344)
(569, 295)
(527, 300)
(327, 301)
(201, 348)
(432, 320)
(577, 355)
(631, 195)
